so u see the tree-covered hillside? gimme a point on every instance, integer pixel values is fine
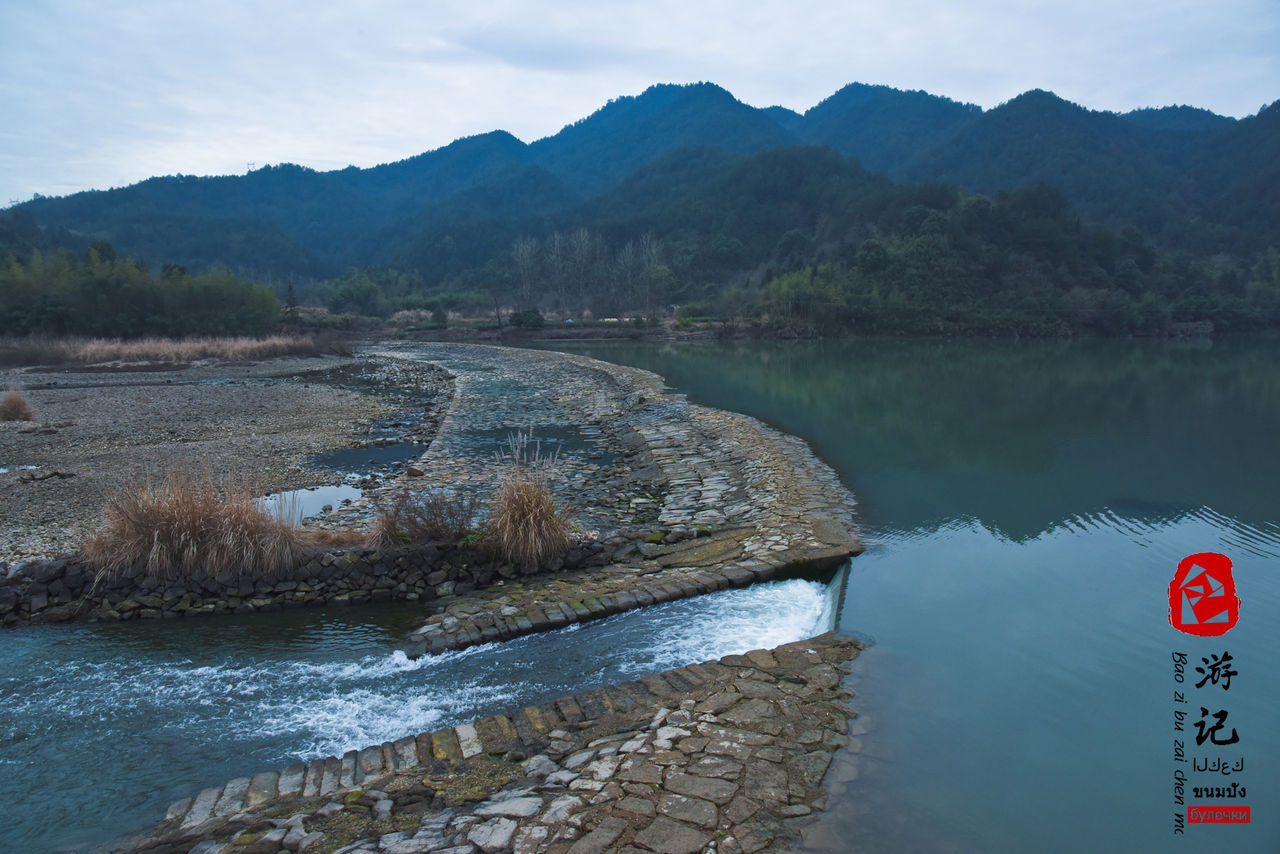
(51, 290)
(895, 205)
(803, 241)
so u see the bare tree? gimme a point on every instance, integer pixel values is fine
(524, 255)
(556, 254)
(626, 273)
(654, 274)
(582, 257)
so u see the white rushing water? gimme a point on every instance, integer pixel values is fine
(176, 706)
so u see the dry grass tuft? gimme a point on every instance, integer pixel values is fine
(189, 528)
(191, 349)
(14, 406)
(426, 517)
(97, 350)
(526, 527)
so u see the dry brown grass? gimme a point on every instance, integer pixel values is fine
(189, 528)
(14, 406)
(98, 350)
(526, 527)
(421, 518)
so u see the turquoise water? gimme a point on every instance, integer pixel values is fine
(1026, 505)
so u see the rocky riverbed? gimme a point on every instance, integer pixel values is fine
(255, 425)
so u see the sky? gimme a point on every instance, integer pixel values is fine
(97, 94)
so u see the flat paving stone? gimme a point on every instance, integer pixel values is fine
(599, 840)
(691, 810)
(666, 836)
(706, 788)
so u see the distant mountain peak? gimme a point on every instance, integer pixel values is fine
(861, 94)
(597, 152)
(1179, 118)
(1041, 98)
(788, 120)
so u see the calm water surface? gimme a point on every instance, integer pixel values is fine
(1026, 505)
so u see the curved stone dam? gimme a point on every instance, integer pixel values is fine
(111, 723)
(702, 536)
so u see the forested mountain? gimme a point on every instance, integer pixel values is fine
(884, 128)
(1109, 168)
(599, 151)
(684, 194)
(1181, 118)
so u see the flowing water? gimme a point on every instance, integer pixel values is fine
(102, 726)
(1026, 505)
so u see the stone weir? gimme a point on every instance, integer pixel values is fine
(670, 499)
(724, 756)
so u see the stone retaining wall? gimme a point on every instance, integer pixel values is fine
(65, 589)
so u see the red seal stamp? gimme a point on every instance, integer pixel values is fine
(1202, 596)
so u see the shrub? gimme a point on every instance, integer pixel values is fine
(14, 406)
(190, 528)
(426, 517)
(530, 318)
(525, 525)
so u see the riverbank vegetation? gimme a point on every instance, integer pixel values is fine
(99, 294)
(526, 526)
(195, 527)
(423, 517)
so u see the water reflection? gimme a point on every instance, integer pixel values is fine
(1022, 436)
(1026, 504)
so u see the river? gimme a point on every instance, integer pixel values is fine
(1026, 505)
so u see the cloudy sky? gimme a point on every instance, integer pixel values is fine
(102, 93)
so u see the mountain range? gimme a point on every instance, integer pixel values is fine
(1184, 177)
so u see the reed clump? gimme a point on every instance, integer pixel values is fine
(526, 525)
(423, 517)
(186, 527)
(14, 406)
(90, 351)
